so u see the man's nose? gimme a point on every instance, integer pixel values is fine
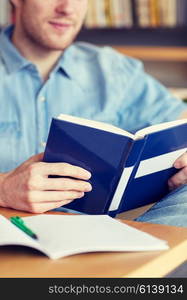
(65, 7)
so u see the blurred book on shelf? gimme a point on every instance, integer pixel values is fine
(109, 13)
(132, 13)
(5, 13)
(142, 13)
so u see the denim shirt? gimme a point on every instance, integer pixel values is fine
(88, 81)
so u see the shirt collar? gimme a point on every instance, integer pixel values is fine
(15, 61)
(67, 62)
(75, 64)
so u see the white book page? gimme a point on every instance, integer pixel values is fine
(95, 124)
(63, 235)
(158, 127)
(110, 128)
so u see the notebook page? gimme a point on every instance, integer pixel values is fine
(11, 235)
(63, 235)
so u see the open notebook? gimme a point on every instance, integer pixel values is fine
(63, 235)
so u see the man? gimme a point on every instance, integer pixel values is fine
(43, 75)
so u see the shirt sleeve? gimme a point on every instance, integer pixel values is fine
(146, 101)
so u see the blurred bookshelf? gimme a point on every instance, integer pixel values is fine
(151, 30)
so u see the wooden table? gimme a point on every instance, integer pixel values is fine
(25, 262)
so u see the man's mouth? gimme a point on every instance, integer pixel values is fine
(61, 26)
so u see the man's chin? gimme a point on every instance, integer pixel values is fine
(61, 44)
(60, 47)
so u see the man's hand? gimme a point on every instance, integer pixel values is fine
(180, 177)
(28, 187)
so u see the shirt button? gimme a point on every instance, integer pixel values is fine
(42, 99)
(42, 144)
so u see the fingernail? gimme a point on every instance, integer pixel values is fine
(81, 194)
(88, 175)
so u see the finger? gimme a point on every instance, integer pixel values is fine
(65, 184)
(178, 179)
(64, 169)
(53, 196)
(181, 162)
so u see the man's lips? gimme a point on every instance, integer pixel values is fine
(61, 25)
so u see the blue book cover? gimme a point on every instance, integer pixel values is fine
(99, 151)
(128, 170)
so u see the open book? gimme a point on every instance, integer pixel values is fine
(64, 235)
(128, 170)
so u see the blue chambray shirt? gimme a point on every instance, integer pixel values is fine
(90, 82)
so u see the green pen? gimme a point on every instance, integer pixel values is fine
(17, 221)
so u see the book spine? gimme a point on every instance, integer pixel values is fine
(134, 12)
(117, 14)
(172, 16)
(126, 7)
(121, 181)
(162, 12)
(168, 13)
(108, 12)
(143, 12)
(181, 13)
(91, 18)
(130, 165)
(99, 10)
(154, 13)
(5, 12)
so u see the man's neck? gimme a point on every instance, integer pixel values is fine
(44, 59)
